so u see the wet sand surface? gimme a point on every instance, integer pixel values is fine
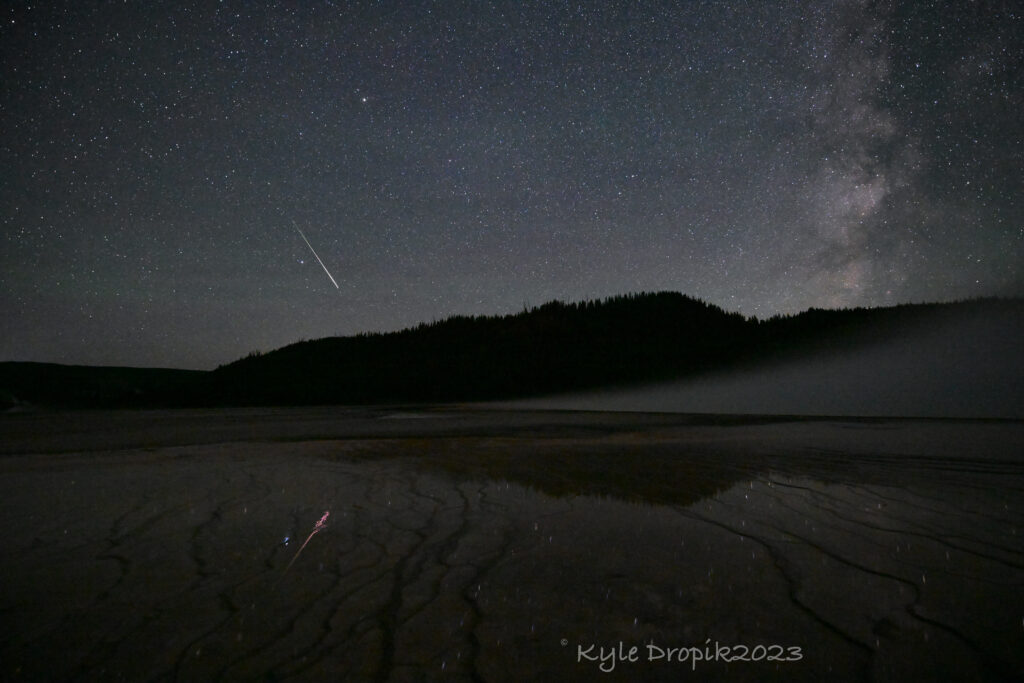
(472, 544)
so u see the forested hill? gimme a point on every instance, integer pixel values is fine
(52, 385)
(554, 348)
(549, 348)
(560, 347)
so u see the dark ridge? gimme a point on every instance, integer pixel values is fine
(553, 348)
(560, 347)
(549, 348)
(24, 385)
(825, 330)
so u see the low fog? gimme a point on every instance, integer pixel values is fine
(967, 367)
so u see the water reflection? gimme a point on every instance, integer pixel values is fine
(878, 565)
(883, 551)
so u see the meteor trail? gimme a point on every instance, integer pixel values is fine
(314, 254)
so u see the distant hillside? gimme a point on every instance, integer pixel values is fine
(559, 347)
(551, 349)
(937, 361)
(78, 386)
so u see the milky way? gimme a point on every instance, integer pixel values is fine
(472, 158)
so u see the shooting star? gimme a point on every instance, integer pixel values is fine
(314, 254)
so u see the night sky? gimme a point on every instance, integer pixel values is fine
(474, 157)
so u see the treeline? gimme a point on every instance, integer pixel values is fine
(83, 386)
(556, 347)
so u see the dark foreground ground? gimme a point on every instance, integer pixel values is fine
(507, 546)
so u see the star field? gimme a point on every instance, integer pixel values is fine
(472, 157)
